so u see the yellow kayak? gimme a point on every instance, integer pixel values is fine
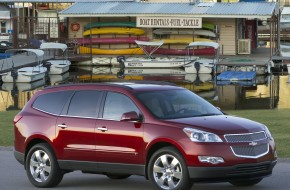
(114, 30)
(184, 40)
(97, 51)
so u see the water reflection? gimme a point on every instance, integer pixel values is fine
(265, 92)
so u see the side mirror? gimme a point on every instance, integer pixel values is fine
(130, 116)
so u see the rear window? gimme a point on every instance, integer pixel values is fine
(52, 102)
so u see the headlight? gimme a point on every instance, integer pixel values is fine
(201, 136)
(268, 132)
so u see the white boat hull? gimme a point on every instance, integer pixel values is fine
(56, 79)
(26, 74)
(288, 68)
(162, 71)
(285, 50)
(22, 87)
(205, 66)
(58, 66)
(106, 61)
(192, 77)
(155, 63)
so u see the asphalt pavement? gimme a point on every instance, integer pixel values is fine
(13, 177)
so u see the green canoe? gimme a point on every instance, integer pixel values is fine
(109, 24)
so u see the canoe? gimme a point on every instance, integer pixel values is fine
(208, 26)
(184, 40)
(128, 51)
(139, 51)
(114, 30)
(130, 40)
(109, 24)
(198, 32)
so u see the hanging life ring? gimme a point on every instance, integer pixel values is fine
(75, 26)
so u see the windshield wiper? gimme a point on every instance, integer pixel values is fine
(210, 114)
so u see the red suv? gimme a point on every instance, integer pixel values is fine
(163, 132)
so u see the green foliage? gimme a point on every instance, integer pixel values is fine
(6, 128)
(278, 122)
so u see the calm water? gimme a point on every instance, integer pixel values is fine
(266, 92)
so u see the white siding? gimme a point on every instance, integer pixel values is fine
(227, 32)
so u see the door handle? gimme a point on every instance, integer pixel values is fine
(103, 129)
(63, 126)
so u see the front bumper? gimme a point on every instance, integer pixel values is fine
(229, 173)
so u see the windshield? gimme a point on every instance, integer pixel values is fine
(175, 104)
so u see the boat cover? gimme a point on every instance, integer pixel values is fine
(210, 44)
(38, 52)
(145, 43)
(236, 76)
(53, 45)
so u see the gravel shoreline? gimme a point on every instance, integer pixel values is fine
(10, 148)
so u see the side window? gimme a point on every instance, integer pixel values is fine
(52, 102)
(84, 104)
(116, 104)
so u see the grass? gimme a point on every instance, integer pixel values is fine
(6, 127)
(278, 122)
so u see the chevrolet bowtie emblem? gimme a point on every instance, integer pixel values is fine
(253, 143)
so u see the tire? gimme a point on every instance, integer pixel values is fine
(117, 176)
(167, 170)
(245, 183)
(41, 166)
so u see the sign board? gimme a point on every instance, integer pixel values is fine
(53, 31)
(167, 22)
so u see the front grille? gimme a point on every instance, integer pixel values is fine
(246, 137)
(250, 151)
(252, 169)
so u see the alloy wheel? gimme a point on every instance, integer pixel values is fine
(167, 171)
(40, 166)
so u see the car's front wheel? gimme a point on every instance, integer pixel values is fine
(41, 166)
(249, 182)
(167, 170)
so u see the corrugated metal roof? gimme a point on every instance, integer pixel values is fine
(37, 1)
(101, 8)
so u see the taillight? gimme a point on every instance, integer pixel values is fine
(17, 118)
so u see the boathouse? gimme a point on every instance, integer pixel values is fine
(235, 23)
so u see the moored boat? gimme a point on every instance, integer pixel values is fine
(57, 66)
(152, 62)
(26, 74)
(203, 65)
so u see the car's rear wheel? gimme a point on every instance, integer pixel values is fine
(117, 176)
(249, 182)
(167, 170)
(41, 166)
